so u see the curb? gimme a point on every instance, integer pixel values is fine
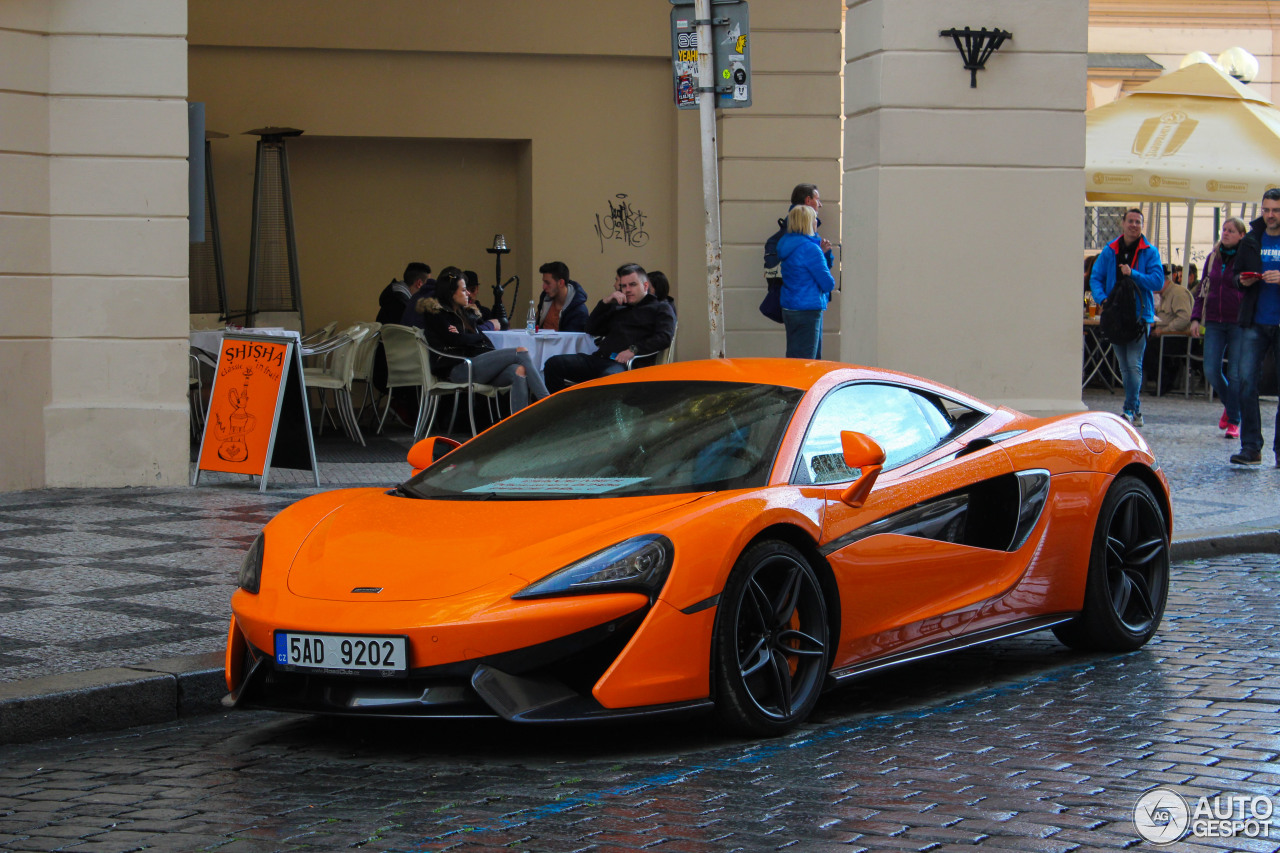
(162, 691)
(109, 699)
(1246, 541)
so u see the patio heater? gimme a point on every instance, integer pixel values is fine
(208, 283)
(274, 288)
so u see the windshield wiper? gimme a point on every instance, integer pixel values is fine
(401, 492)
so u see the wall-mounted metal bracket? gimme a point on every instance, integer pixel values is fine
(976, 47)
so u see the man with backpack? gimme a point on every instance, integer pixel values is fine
(1125, 275)
(771, 307)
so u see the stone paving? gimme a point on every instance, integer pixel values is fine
(91, 578)
(1022, 745)
(1209, 494)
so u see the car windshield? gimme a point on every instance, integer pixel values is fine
(637, 438)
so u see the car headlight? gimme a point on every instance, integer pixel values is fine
(640, 564)
(251, 565)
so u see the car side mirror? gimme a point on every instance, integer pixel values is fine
(862, 452)
(429, 450)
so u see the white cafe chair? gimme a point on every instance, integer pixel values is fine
(335, 380)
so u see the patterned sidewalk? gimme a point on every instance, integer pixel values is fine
(92, 578)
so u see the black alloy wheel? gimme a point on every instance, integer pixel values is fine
(771, 641)
(1128, 580)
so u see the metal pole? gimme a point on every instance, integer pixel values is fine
(291, 243)
(251, 300)
(710, 174)
(1186, 246)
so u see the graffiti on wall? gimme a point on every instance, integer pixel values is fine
(624, 222)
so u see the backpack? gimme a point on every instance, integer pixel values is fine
(771, 305)
(1120, 323)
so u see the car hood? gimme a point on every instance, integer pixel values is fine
(421, 550)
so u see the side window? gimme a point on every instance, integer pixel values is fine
(905, 423)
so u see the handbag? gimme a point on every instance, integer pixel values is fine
(771, 305)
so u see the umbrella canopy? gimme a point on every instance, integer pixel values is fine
(1192, 135)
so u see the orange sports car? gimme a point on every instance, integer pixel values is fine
(736, 535)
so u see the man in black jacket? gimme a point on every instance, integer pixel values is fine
(630, 322)
(392, 302)
(399, 293)
(1258, 275)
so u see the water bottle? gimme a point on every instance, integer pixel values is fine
(530, 325)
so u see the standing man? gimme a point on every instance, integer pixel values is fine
(807, 194)
(1130, 255)
(629, 322)
(562, 307)
(1258, 275)
(798, 325)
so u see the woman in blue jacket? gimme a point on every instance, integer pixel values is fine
(806, 281)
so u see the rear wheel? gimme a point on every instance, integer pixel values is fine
(1128, 579)
(771, 641)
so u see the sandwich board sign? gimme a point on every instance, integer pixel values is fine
(258, 416)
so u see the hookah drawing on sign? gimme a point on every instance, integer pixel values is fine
(231, 444)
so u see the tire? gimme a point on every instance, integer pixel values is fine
(1128, 582)
(771, 644)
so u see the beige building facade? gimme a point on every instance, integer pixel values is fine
(93, 232)
(429, 127)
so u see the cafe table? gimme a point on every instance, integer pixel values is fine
(543, 344)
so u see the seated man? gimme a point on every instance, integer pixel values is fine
(397, 295)
(562, 307)
(396, 298)
(494, 319)
(413, 312)
(631, 321)
(1173, 317)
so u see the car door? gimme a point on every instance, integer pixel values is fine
(930, 543)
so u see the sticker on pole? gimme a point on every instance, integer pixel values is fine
(730, 51)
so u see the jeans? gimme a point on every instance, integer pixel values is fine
(498, 368)
(804, 333)
(579, 367)
(1129, 357)
(1255, 340)
(1220, 337)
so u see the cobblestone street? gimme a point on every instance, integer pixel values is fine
(1017, 746)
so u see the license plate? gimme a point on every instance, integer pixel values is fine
(343, 652)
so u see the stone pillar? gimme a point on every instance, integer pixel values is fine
(93, 243)
(962, 226)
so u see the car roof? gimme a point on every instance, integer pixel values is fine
(786, 372)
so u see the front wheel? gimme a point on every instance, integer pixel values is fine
(1128, 580)
(771, 641)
